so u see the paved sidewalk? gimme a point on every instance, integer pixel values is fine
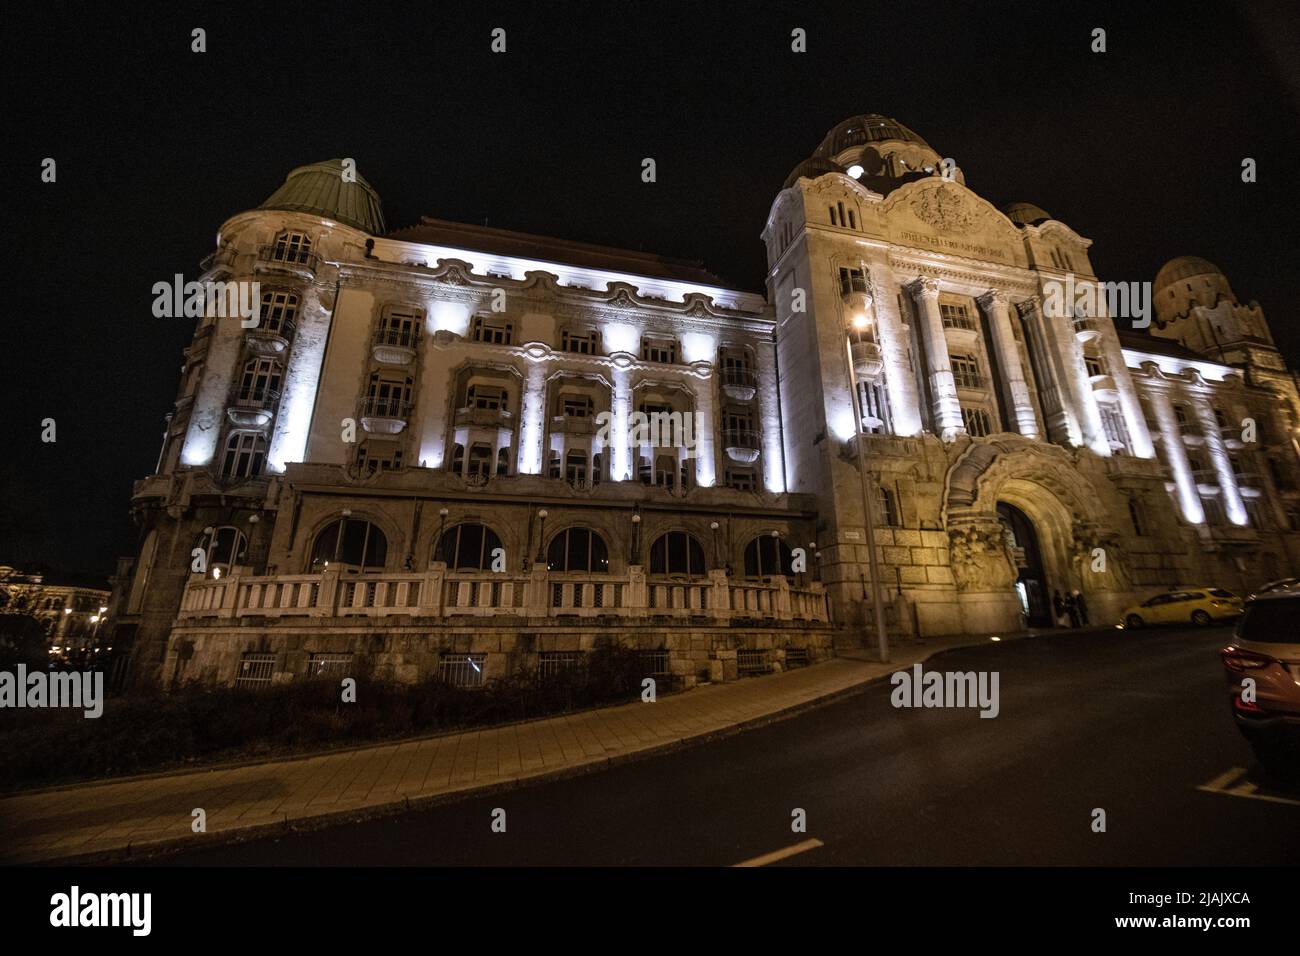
(98, 822)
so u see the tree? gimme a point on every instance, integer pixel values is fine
(23, 641)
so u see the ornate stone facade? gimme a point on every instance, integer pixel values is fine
(421, 457)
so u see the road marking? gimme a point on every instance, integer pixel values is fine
(775, 855)
(1245, 788)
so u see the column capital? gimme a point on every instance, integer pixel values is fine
(1033, 303)
(924, 286)
(994, 298)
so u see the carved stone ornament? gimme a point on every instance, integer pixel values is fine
(944, 209)
(980, 559)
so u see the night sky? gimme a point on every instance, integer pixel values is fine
(1139, 149)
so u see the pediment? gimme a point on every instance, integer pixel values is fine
(939, 215)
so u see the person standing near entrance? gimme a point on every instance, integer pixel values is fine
(1080, 607)
(1058, 607)
(1072, 608)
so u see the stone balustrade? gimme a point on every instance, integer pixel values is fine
(537, 594)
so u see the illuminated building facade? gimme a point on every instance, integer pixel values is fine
(419, 460)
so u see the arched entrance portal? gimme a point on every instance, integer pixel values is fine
(1031, 580)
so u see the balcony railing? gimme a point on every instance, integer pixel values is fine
(739, 377)
(968, 379)
(397, 338)
(573, 424)
(290, 258)
(959, 320)
(257, 397)
(473, 416)
(740, 438)
(540, 594)
(386, 416)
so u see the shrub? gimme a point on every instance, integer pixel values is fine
(156, 730)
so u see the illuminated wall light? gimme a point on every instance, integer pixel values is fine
(621, 337)
(699, 347)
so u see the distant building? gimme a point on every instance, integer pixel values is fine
(418, 462)
(71, 614)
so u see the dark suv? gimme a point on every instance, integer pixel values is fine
(1262, 666)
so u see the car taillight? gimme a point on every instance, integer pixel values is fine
(1235, 659)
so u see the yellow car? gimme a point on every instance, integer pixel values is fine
(1201, 606)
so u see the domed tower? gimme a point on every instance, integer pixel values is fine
(1195, 306)
(880, 152)
(326, 189)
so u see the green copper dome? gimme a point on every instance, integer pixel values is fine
(319, 189)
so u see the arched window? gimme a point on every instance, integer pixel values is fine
(676, 553)
(352, 541)
(261, 382)
(467, 547)
(223, 547)
(767, 556)
(577, 549)
(292, 247)
(279, 311)
(245, 455)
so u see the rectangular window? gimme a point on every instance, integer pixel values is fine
(1213, 512)
(956, 316)
(583, 343)
(741, 479)
(462, 670)
(493, 331)
(550, 663)
(852, 280)
(1112, 423)
(486, 396)
(966, 371)
(1094, 366)
(255, 670)
(659, 350)
(976, 421)
(329, 665)
(575, 406)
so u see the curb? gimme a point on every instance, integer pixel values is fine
(144, 852)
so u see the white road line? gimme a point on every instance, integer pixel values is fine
(1245, 788)
(775, 855)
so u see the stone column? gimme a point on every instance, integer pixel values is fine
(1218, 453)
(947, 410)
(994, 304)
(1060, 421)
(900, 382)
(703, 432)
(1176, 454)
(1140, 442)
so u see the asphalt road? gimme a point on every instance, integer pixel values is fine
(1132, 723)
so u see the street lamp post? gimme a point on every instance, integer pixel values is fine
(541, 536)
(860, 322)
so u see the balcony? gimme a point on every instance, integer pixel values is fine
(471, 416)
(395, 346)
(1104, 388)
(856, 295)
(969, 380)
(253, 407)
(384, 416)
(1086, 328)
(573, 425)
(297, 262)
(742, 444)
(739, 383)
(867, 361)
(268, 339)
(440, 594)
